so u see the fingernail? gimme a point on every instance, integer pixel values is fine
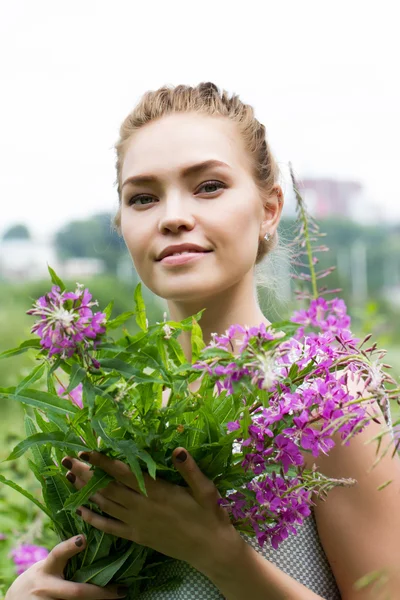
(66, 463)
(78, 512)
(181, 457)
(71, 477)
(122, 590)
(84, 456)
(79, 542)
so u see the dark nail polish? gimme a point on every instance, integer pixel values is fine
(84, 456)
(181, 457)
(66, 463)
(71, 477)
(79, 542)
(122, 590)
(78, 512)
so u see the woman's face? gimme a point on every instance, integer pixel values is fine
(186, 179)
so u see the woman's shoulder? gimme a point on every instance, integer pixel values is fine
(368, 510)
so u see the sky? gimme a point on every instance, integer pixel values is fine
(322, 77)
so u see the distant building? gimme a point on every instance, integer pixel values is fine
(27, 259)
(81, 267)
(326, 198)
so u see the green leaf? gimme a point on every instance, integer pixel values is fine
(19, 489)
(140, 308)
(245, 422)
(27, 345)
(383, 485)
(101, 572)
(120, 320)
(55, 279)
(375, 577)
(45, 426)
(51, 388)
(162, 351)
(43, 400)
(149, 356)
(127, 370)
(88, 396)
(108, 309)
(57, 420)
(98, 546)
(134, 564)
(294, 369)
(33, 376)
(127, 448)
(176, 349)
(218, 464)
(197, 341)
(55, 489)
(216, 352)
(77, 375)
(224, 409)
(99, 480)
(58, 438)
(137, 471)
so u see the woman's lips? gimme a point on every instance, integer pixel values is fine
(181, 259)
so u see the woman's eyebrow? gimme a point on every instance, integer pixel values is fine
(186, 172)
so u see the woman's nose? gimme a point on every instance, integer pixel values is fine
(177, 215)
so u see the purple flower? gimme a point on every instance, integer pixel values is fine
(336, 321)
(316, 441)
(247, 334)
(27, 555)
(278, 505)
(288, 453)
(258, 432)
(255, 462)
(298, 412)
(229, 375)
(356, 423)
(233, 426)
(66, 321)
(75, 395)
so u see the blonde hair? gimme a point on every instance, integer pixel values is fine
(207, 99)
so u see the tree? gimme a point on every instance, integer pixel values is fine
(91, 238)
(17, 232)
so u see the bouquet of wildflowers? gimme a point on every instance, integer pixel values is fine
(282, 392)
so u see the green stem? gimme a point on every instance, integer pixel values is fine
(300, 205)
(310, 257)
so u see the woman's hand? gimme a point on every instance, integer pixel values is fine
(186, 523)
(45, 579)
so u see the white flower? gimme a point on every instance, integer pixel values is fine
(168, 331)
(375, 372)
(269, 371)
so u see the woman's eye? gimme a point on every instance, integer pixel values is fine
(211, 186)
(133, 201)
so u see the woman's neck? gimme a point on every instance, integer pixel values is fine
(229, 307)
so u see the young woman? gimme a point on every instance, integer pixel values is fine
(199, 207)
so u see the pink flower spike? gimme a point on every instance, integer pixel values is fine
(27, 555)
(75, 395)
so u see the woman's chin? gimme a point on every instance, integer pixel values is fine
(187, 292)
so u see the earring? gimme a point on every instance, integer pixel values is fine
(267, 236)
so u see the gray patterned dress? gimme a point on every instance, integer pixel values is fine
(301, 556)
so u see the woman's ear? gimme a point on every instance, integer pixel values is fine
(272, 211)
